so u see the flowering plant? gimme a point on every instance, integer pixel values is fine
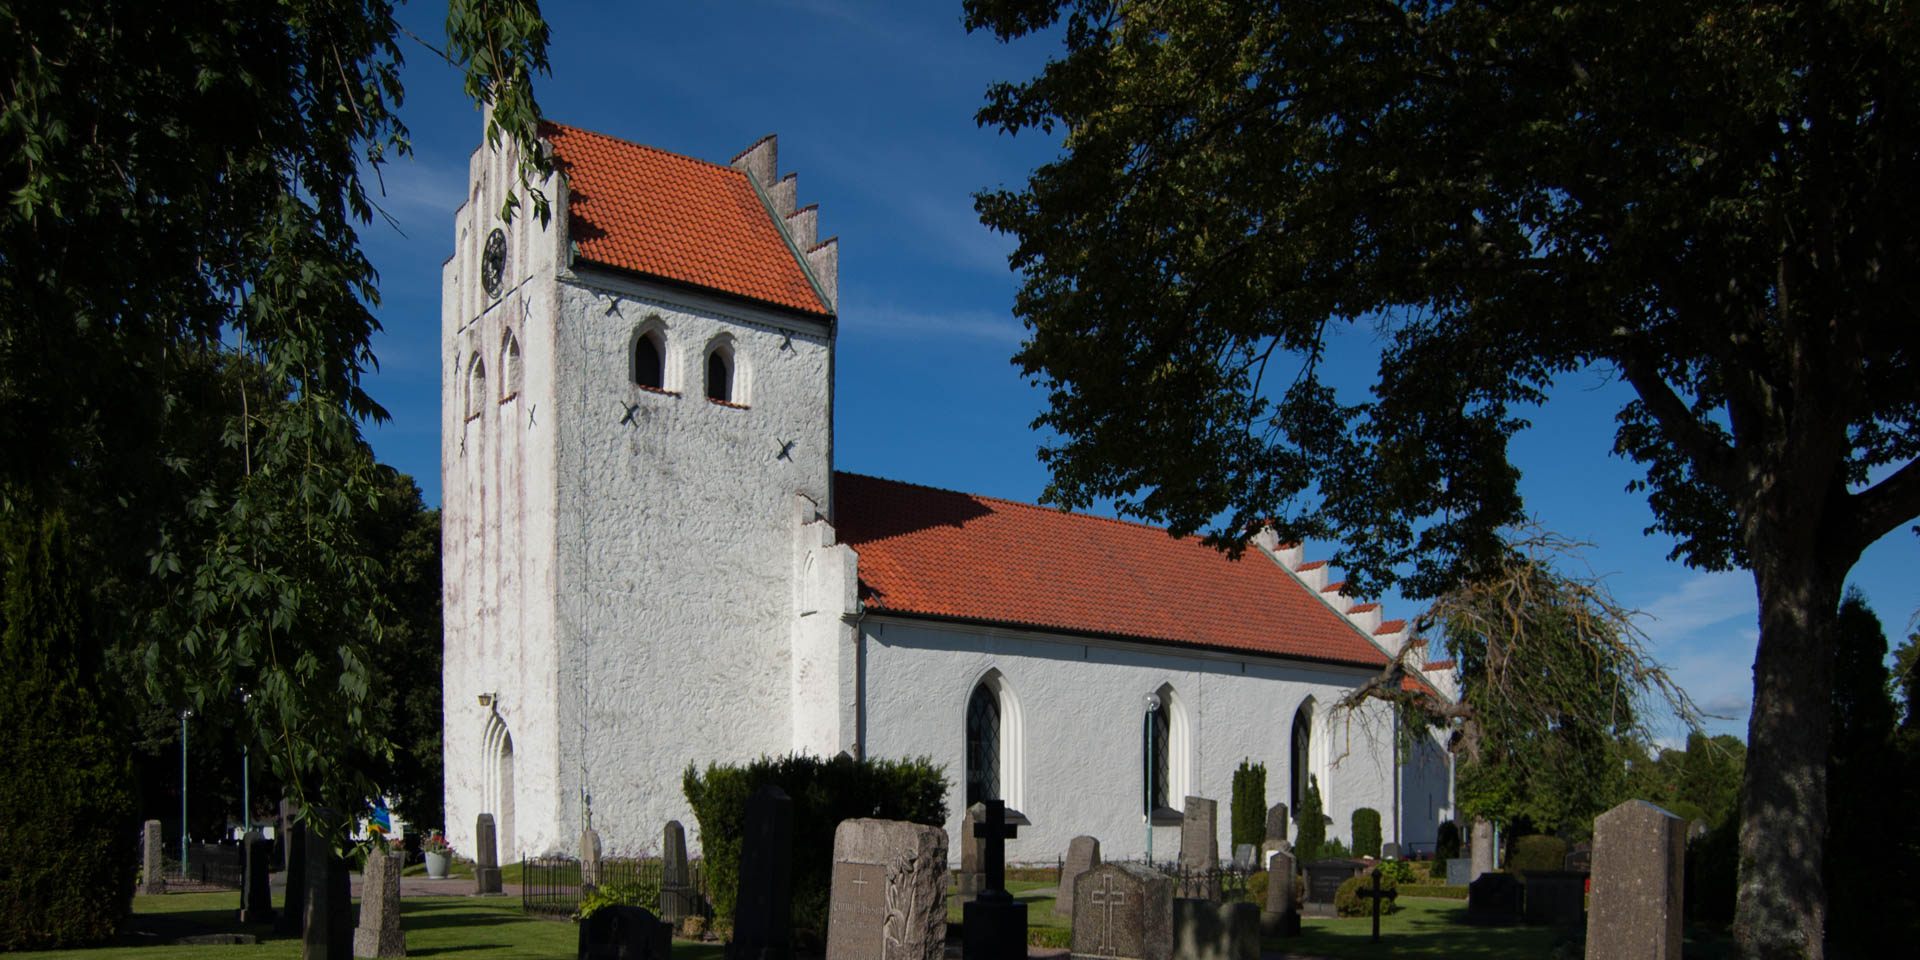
(436, 842)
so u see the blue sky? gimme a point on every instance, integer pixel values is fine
(874, 105)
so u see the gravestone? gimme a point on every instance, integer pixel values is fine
(1389, 851)
(1494, 898)
(486, 857)
(293, 908)
(1122, 911)
(1277, 829)
(327, 921)
(1580, 858)
(1083, 854)
(1639, 861)
(1324, 878)
(1243, 856)
(153, 860)
(973, 876)
(1459, 872)
(1200, 835)
(1482, 849)
(624, 933)
(256, 894)
(995, 923)
(889, 893)
(379, 933)
(1205, 930)
(1280, 916)
(1555, 896)
(763, 909)
(589, 858)
(1373, 894)
(676, 881)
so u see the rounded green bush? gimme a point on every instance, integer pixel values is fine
(1348, 901)
(1366, 832)
(1538, 852)
(1399, 871)
(1448, 847)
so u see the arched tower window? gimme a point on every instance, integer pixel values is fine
(649, 361)
(720, 374)
(983, 745)
(476, 386)
(509, 367)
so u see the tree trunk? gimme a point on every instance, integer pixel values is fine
(1782, 907)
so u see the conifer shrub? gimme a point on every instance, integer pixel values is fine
(1366, 832)
(1349, 903)
(1312, 833)
(67, 830)
(824, 792)
(1448, 845)
(1250, 804)
(1538, 852)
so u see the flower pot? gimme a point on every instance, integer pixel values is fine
(437, 864)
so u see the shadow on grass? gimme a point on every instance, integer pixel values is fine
(436, 951)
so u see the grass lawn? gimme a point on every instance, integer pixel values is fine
(465, 928)
(1432, 927)
(1037, 895)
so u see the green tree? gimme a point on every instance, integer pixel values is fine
(1710, 199)
(1867, 820)
(1311, 835)
(185, 181)
(1249, 804)
(66, 805)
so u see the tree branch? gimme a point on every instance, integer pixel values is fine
(1712, 458)
(1882, 507)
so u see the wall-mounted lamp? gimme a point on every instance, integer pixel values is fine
(486, 700)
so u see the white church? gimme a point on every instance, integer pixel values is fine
(650, 561)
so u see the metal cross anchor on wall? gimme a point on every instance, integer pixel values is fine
(1376, 895)
(996, 831)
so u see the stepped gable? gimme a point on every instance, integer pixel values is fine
(686, 221)
(937, 553)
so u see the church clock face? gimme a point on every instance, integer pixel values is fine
(493, 262)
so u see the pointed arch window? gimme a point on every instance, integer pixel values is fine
(1157, 736)
(509, 367)
(476, 386)
(983, 745)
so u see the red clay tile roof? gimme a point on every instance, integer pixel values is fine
(1440, 665)
(664, 215)
(938, 553)
(1394, 626)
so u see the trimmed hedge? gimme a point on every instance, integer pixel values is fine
(1366, 833)
(1538, 852)
(68, 853)
(1249, 804)
(1348, 901)
(1433, 890)
(824, 792)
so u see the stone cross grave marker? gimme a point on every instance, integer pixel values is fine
(624, 933)
(996, 923)
(889, 893)
(1123, 911)
(1376, 894)
(486, 857)
(1083, 854)
(1280, 917)
(153, 863)
(676, 880)
(1200, 835)
(1639, 865)
(379, 933)
(256, 895)
(763, 910)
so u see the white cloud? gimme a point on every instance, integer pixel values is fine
(894, 321)
(416, 193)
(1704, 630)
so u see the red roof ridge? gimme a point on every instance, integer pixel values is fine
(1363, 607)
(583, 131)
(836, 239)
(1042, 508)
(1395, 626)
(1312, 565)
(750, 148)
(1440, 665)
(1334, 587)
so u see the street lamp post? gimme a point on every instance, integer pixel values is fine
(1153, 705)
(184, 714)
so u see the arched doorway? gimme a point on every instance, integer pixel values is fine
(496, 783)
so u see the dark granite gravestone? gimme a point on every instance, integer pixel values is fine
(1389, 851)
(1555, 896)
(763, 910)
(995, 923)
(327, 926)
(1280, 916)
(889, 892)
(624, 933)
(1205, 930)
(1324, 878)
(1083, 854)
(1459, 871)
(486, 857)
(1200, 835)
(1580, 858)
(256, 894)
(153, 860)
(972, 878)
(1639, 866)
(293, 906)
(379, 933)
(1494, 898)
(1122, 911)
(676, 880)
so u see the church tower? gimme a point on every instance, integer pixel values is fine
(637, 416)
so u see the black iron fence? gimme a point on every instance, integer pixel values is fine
(552, 887)
(1224, 883)
(216, 864)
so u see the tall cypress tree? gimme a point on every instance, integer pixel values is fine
(1250, 804)
(1863, 806)
(67, 854)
